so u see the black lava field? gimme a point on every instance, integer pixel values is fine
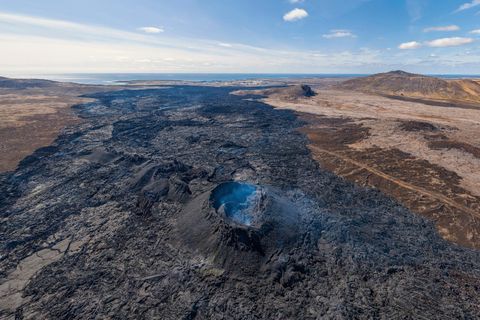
(188, 202)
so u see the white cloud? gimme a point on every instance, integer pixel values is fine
(295, 15)
(338, 33)
(438, 43)
(468, 5)
(410, 45)
(442, 28)
(475, 31)
(65, 29)
(68, 47)
(151, 29)
(63, 47)
(449, 42)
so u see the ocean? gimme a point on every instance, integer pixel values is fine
(113, 78)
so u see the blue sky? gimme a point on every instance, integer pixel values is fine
(254, 36)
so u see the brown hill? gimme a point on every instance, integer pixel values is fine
(7, 83)
(404, 84)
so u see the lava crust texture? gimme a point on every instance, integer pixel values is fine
(189, 202)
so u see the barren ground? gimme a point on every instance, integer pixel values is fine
(30, 121)
(116, 219)
(426, 156)
(31, 118)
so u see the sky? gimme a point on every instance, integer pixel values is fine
(239, 36)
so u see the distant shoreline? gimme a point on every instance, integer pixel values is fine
(115, 78)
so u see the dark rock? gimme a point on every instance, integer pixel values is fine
(25, 83)
(307, 91)
(178, 189)
(418, 126)
(322, 248)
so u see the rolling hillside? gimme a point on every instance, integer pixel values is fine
(403, 84)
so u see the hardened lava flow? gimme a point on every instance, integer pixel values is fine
(193, 203)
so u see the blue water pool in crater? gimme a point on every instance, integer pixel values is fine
(237, 201)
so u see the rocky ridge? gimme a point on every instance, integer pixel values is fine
(404, 84)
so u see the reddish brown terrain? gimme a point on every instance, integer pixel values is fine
(424, 153)
(406, 85)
